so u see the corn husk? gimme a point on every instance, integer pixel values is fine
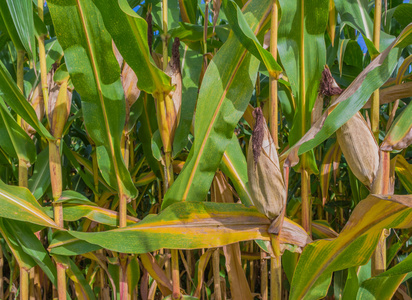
(360, 149)
(265, 178)
(60, 98)
(38, 106)
(129, 83)
(168, 105)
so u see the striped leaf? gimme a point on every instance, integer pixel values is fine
(15, 99)
(399, 135)
(95, 74)
(190, 225)
(404, 171)
(354, 245)
(13, 139)
(248, 39)
(224, 95)
(18, 203)
(129, 32)
(385, 285)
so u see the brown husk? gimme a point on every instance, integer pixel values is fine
(265, 177)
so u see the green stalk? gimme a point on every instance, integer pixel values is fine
(273, 83)
(123, 284)
(379, 256)
(23, 175)
(42, 59)
(306, 203)
(205, 27)
(54, 156)
(24, 284)
(375, 97)
(275, 262)
(164, 36)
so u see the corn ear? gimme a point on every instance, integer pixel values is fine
(38, 105)
(129, 83)
(360, 149)
(265, 178)
(168, 105)
(59, 100)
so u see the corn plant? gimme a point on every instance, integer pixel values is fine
(187, 149)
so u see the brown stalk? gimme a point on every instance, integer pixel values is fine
(1, 274)
(263, 276)
(216, 274)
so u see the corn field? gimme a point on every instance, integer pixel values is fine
(205, 149)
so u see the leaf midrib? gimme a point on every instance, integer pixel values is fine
(99, 90)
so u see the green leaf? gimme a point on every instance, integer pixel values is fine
(191, 69)
(8, 23)
(19, 204)
(234, 166)
(146, 131)
(39, 26)
(302, 29)
(399, 135)
(13, 138)
(226, 90)
(354, 245)
(248, 39)
(129, 32)
(385, 284)
(40, 180)
(65, 244)
(302, 51)
(23, 259)
(351, 285)
(188, 10)
(356, 15)
(15, 99)
(95, 74)
(84, 168)
(22, 14)
(403, 13)
(32, 246)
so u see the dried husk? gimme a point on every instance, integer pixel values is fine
(265, 178)
(360, 149)
(38, 106)
(131, 91)
(129, 83)
(173, 70)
